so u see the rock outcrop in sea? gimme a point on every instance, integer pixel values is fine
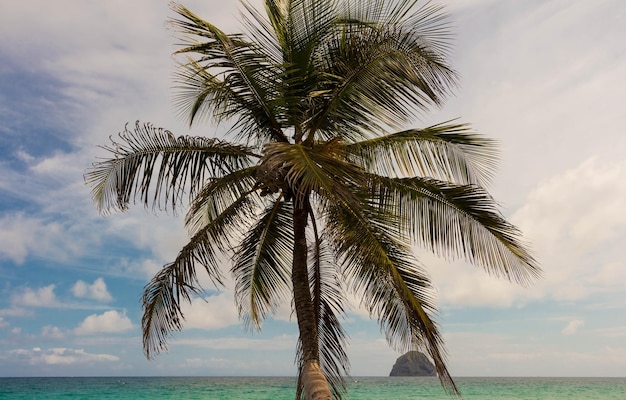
(413, 363)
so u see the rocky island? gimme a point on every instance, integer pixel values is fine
(413, 363)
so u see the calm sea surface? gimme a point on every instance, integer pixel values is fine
(204, 388)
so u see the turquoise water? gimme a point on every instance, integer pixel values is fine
(205, 388)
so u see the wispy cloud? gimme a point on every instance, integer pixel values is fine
(612, 332)
(14, 311)
(282, 342)
(573, 326)
(55, 356)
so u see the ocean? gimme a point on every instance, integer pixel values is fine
(276, 388)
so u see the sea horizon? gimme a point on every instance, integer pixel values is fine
(283, 388)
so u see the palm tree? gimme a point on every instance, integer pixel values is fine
(321, 189)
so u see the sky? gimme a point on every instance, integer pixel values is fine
(543, 77)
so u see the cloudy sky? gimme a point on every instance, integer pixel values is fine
(544, 77)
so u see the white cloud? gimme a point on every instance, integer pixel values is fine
(59, 166)
(612, 332)
(17, 236)
(549, 105)
(108, 322)
(458, 284)
(205, 362)
(603, 362)
(96, 291)
(24, 156)
(21, 236)
(214, 312)
(584, 203)
(239, 363)
(3, 323)
(282, 342)
(362, 350)
(573, 326)
(15, 311)
(52, 332)
(462, 5)
(537, 354)
(42, 297)
(57, 356)
(576, 222)
(149, 268)
(162, 235)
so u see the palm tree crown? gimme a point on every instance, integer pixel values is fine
(321, 189)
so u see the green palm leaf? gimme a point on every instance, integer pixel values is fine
(461, 221)
(260, 269)
(246, 88)
(156, 166)
(178, 281)
(318, 170)
(162, 299)
(218, 195)
(378, 72)
(450, 152)
(393, 286)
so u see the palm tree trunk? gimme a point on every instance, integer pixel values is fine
(314, 382)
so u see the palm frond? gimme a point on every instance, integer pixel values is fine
(319, 169)
(402, 302)
(327, 299)
(219, 194)
(461, 221)
(446, 151)
(246, 86)
(309, 21)
(156, 166)
(379, 72)
(363, 11)
(162, 298)
(178, 281)
(394, 287)
(267, 34)
(278, 16)
(300, 28)
(261, 264)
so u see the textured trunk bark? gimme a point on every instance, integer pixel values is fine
(313, 380)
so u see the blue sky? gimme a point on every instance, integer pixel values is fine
(546, 78)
